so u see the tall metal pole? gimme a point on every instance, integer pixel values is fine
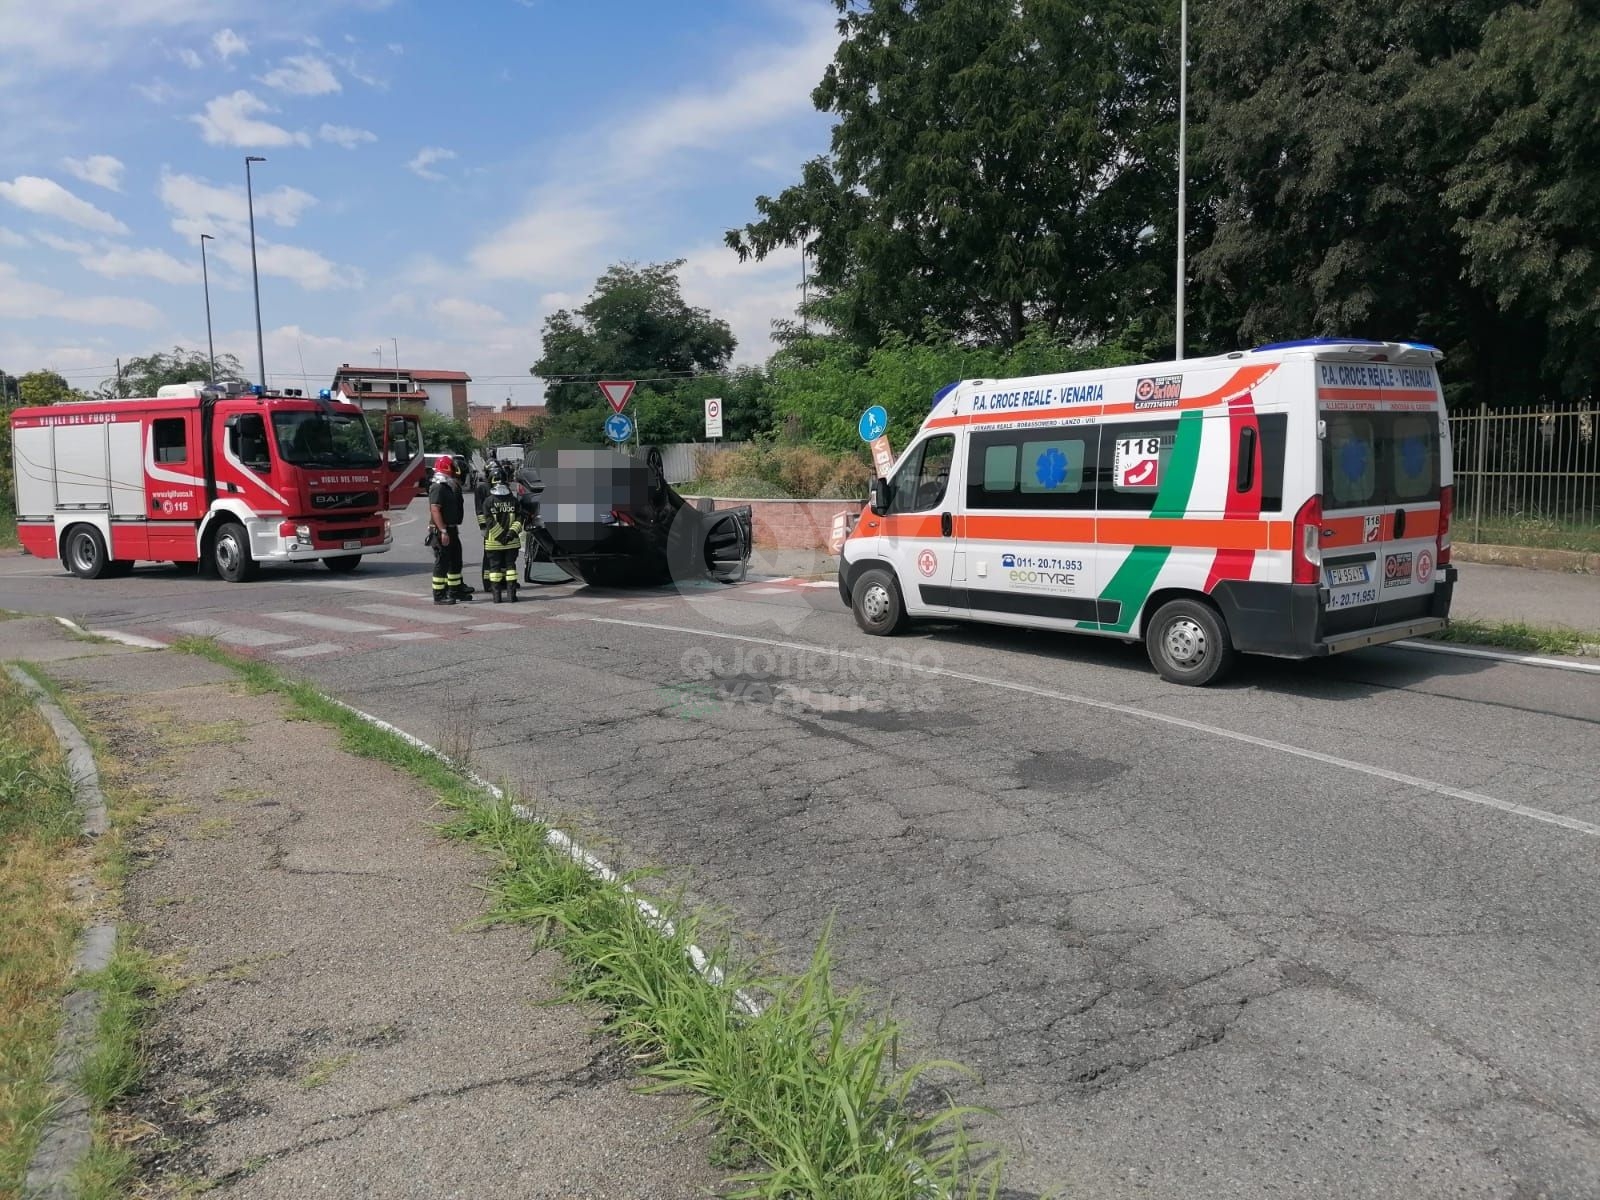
(255, 277)
(205, 275)
(1183, 150)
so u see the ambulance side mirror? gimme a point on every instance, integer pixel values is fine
(880, 496)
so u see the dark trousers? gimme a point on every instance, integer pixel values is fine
(499, 566)
(447, 563)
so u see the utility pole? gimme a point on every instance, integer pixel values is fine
(121, 393)
(255, 277)
(205, 275)
(1183, 147)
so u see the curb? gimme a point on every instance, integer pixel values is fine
(69, 1133)
(1533, 558)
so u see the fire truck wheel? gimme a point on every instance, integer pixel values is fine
(344, 564)
(85, 552)
(230, 554)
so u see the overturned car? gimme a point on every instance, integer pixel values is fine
(612, 520)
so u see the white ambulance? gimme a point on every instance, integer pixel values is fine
(1293, 500)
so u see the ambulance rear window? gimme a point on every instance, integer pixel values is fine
(1377, 459)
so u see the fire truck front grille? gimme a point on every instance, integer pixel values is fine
(324, 501)
(354, 531)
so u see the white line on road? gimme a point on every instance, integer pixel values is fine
(495, 627)
(234, 635)
(1510, 656)
(323, 621)
(768, 591)
(430, 615)
(113, 635)
(1427, 785)
(308, 651)
(415, 636)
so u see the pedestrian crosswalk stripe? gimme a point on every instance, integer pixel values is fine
(428, 615)
(323, 621)
(495, 627)
(416, 635)
(234, 635)
(309, 651)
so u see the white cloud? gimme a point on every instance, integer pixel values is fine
(99, 169)
(396, 48)
(227, 43)
(121, 262)
(747, 295)
(190, 58)
(426, 157)
(64, 245)
(302, 75)
(304, 267)
(549, 244)
(159, 92)
(467, 313)
(49, 198)
(21, 299)
(198, 206)
(346, 135)
(230, 121)
(12, 239)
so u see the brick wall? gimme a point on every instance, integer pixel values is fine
(458, 400)
(790, 524)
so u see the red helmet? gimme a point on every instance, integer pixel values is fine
(445, 464)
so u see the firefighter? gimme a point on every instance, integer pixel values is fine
(445, 510)
(480, 506)
(502, 535)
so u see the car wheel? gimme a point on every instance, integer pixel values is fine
(1188, 643)
(230, 554)
(875, 599)
(85, 552)
(344, 564)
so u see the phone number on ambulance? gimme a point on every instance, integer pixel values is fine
(1352, 598)
(1047, 564)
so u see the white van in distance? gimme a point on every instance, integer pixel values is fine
(1292, 500)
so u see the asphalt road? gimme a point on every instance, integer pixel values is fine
(1329, 930)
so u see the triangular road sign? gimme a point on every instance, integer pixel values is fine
(618, 393)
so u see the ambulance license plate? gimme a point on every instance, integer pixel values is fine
(1344, 576)
(352, 545)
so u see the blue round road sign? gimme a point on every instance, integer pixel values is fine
(618, 427)
(874, 423)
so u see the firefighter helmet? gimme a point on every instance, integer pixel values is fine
(445, 465)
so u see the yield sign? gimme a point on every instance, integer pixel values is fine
(617, 394)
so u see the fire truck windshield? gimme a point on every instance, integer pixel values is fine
(316, 439)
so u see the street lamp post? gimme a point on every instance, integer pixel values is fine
(205, 275)
(1183, 120)
(255, 278)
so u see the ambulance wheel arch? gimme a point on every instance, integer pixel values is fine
(1186, 638)
(876, 601)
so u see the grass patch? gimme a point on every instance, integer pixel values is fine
(1517, 635)
(1543, 533)
(806, 1093)
(324, 1070)
(39, 833)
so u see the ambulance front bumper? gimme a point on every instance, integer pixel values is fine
(1287, 620)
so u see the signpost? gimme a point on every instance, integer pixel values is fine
(713, 417)
(840, 531)
(617, 393)
(882, 456)
(618, 428)
(874, 423)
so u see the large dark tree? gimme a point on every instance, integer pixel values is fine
(994, 163)
(144, 375)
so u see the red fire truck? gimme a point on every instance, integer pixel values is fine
(226, 477)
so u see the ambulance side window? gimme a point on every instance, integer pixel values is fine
(169, 439)
(1274, 440)
(920, 483)
(1134, 461)
(1037, 469)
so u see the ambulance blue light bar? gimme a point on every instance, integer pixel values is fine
(945, 391)
(1303, 342)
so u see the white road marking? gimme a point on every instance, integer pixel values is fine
(1510, 656)
(323, 621)
(114, 635)
(592, 599)
(234, 635)
(768, 591)
(1426, 785)
(308, 651)
(417, 635)
(430, 615)
(495, 627)
(379, 588)
(822, 583)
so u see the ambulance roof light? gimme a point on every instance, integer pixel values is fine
(325, 394)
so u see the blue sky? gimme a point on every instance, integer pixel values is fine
(444, 174)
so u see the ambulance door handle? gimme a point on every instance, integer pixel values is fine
(945, 524)
(1399, 523)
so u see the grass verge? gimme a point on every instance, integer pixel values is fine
(805, 1093)
(39, 828)
(1516, 635)
(1543, 533)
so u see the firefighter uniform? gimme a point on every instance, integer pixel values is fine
(502, 536)
(445, 497)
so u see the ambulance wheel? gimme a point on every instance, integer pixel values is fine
(877, 605)
(230, 554)
(344, 564)
(85, 552)
(1188, 643)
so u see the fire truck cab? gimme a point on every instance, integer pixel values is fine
(226, 477)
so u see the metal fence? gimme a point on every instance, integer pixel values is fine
(1530, 468)
(682, 460)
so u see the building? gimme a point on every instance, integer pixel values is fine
(484, 417)
(442, 392)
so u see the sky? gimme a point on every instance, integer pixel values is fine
(441, 175)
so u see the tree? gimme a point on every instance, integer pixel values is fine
(1526, 190)
(144, 376)
(441, 435)
(635, 325)
(993, 165)
(45, 387)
